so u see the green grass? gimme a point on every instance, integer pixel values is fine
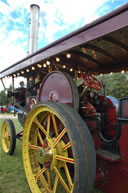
(5, 113)
(12, 176)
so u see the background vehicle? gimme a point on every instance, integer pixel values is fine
(13, 109)
(4, 109)
(74, 137)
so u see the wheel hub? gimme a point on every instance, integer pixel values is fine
(45, 155)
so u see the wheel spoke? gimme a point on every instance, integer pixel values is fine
(48, 125)
(49, 180)
(8, 144)
(6, 131)
(68, 176)
(41, 140)
(6, 128)
(61, 180)
(55, 184)
(54, 124)
(59, 137)
(40, 172)
(40, 126)
(67, 146)
(34, 147)
(8, 136)
(64, 159)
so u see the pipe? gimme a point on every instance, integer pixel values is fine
(34, 25)
(3, 84)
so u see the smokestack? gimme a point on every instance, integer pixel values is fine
(34, 25)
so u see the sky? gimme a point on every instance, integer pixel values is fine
(57, 18)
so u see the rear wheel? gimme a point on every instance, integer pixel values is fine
(53, 153)
(8, 137)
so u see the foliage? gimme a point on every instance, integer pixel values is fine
(3, 99)
(116, 84)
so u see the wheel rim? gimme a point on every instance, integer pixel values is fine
(5, 137)
(47, 152)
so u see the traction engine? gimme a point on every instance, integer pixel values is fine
(74, 137)
(72, 134)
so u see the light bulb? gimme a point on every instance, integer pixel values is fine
(44, 65)
(27, 70)
(68, 55)
(57, 59)
(39, 65)
(48, 62)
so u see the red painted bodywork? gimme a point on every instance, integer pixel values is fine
(115, 174)
(112, 176)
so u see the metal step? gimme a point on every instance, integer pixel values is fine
(112, 157)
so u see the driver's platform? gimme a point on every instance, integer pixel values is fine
(109, 156)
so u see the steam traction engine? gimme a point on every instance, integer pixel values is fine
(74, 137)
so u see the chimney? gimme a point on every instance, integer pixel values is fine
(34, 25)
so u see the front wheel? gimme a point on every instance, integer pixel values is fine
(53, 153)
(8, 137)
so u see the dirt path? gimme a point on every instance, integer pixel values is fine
(9, 116)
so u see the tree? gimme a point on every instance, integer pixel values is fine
(3, 99)
(116, 84)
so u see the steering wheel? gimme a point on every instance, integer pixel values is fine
(91, 81)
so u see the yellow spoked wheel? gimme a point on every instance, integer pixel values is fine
(53, 153)
(8, 137)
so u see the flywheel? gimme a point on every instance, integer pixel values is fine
(59, 87)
